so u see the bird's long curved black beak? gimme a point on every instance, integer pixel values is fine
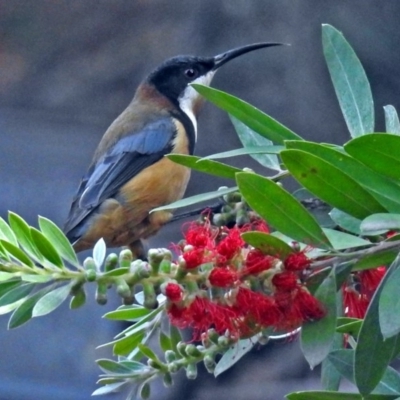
(223, 58)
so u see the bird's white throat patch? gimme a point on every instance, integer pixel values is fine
(189, 97)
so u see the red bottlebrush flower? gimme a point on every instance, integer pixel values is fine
(355, 304)
(256, 262)
(177, 316)
(257, 308)
(258, 225)
(230, 245)
(370, 280)
(286, 280)
(292, 316)
(173, 292)
(199, 235)
(310, 308)
(222, 277)
(193, 258)
(297, 261)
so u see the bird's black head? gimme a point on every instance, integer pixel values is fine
(174, 76)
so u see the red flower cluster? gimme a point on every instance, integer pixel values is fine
(280, 300)
(359, 289)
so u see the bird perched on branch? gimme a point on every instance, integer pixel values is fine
(129, 175)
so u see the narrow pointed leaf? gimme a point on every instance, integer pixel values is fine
(375, 260)
(342, 240)
(380, 152)
(199, 198)
(23, 233)
(389, 303)
(391, 120)
(5, 276)
(317, 336)
(113, 366)
(371, 345)
(268, 244)
(58, 240)
(350, 82)
(99, 253)
(165, 342)
(330, 184)
(384, 189)
(250, 138)
(17, 253)
(175, 336)
(16, 293)
(281, 210)
(255, 119)
(51, 301)
(146, 351)
(251, 150)
(126, 345)
(208, 166)
(346, 221)
(233, 355)
(6, 233)
(23, 313)
(380, 222)
(109, 388)
(8, 285)
(133, 312)
(320, 395)
(45, 248)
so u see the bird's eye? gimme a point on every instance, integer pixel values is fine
(191, 73)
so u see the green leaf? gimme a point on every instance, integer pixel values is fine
(385, 190)
(268, 244)
(380, 152)
(234, 354)
(5, 276)
(346, 221)
(188, 201)
(317, 336)
(255, 119)
(117, 272)
(350, 82)
(389, 302)
(46, 248)
(24, 312)
(375, 260)
(330, 183)
(175, 335)
(50, 301)
(281, 210)
(391, 120)
(127, 313)
(36, 278)
(112, 366)
(109, 388)
(380, 222)
(249, 138)
(208, 166)
(320, 395)
(165, 342)
(16, 293)
(23, 233)
(58, 240)
(343, 240)
(99, 253)
(147, 352)
(8, 285)
(371, 345)
(246, 151)
(16, 253)
(6, 233)
(352, 328)
(122, 347)
(343, 360)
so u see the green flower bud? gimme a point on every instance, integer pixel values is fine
(125, 258)
(209, 363)
(150, 297)
(192, 351)
(181, 347)
(167, 380)
(101, 293)
(90, 269)
(111, 262)
(123, 288)
(191, 371)
(173, 367)
(170, 356)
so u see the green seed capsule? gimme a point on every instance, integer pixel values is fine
(209, 363)
(167, 380)
(192, 350)
(170, 356)
(123, 288)
(90, 269)
(125, 258)
(150, 297)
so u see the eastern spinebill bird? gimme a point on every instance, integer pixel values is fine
(129, 175)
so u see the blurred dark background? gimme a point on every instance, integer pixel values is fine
(68, 68)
